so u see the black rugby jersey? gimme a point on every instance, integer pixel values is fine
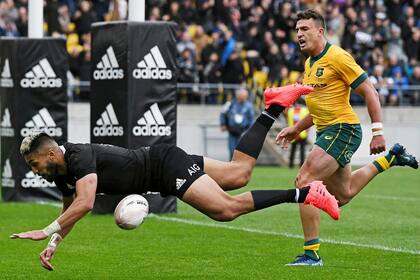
(119, 170)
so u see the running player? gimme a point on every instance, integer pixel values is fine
(82, 170)
(332, 72)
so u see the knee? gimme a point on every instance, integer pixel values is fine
(343, 198)
(241, 176)
(223, 216)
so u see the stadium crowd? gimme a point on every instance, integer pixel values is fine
(250, 41)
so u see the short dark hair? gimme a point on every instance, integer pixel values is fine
(34, 141)
(311, 14)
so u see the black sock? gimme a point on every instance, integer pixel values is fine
(303, 192)
(253, 139)
(266, 198)
(275, 110)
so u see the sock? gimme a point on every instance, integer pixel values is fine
(275, 110)
(253, 139)
(266, 198)
(311, 248)
(301, 194)
(384, 162)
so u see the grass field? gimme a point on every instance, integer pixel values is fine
(378, 237)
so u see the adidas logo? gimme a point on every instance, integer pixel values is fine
(6, 125)
(152, 67)
(7, 180)
(41, 121)
(41, 75)
(107, 124)
(179, 183)
(32, 181)
(152, 123)
(6, 76)
(108, 68)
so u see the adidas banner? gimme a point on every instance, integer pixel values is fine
(133, 98)
(33, 88)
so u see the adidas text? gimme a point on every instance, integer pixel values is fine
(6, 83)
(6, 80)
(8, 182)
(108, 74)
(152, 73)
(36, 183)
(7, 132)
(41, 82)
(52, 131)
(152, 130)
(108, 131)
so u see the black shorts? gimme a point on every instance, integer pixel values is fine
(172, 170)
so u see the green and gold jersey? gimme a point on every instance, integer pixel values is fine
(332, 73)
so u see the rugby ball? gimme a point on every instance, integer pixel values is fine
(131, 211)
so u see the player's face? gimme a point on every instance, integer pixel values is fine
(43, 165)
(309, 35)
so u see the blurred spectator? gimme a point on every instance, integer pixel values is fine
(400, 84)
(117, 10)
(22, 22)
(295, 114)
(233, 71)
(415, 81)
(52, 18)
(200, 40)
(395, 44)
(412, 45)
(185, 42)
(84, 17)
(212, 73)
(382, 84)
(188, 13)
(236, 117)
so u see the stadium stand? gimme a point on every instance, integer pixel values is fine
(249, 42)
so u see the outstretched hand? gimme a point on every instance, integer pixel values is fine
(46, 256)
(377, 145)
(285, 136)
(33, 235)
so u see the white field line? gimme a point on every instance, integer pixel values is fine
(284, 234)
(389, 197)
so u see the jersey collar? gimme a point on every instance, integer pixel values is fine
(62, 149)
(313, 59)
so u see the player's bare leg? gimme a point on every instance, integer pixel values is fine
(318, 166)
(343, 184)
(237, 173)
(207, 197)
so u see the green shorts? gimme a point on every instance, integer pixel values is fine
(340, 140)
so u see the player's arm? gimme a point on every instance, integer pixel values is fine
(304, 123)
(371, 96)
(47, 254)
(288, 134)
(81, 205)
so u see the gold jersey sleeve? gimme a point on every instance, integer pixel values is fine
(332, 74)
